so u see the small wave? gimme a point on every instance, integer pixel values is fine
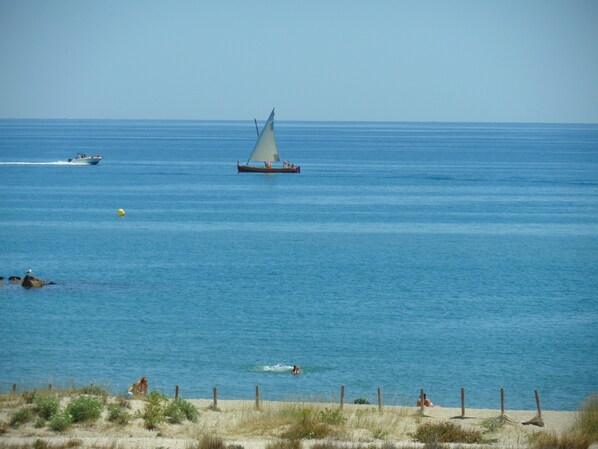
(278, 368)
(36, 163)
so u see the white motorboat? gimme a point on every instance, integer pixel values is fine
(83, 159)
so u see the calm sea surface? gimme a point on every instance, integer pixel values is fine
(404, 256)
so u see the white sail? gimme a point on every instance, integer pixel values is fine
(265, 149)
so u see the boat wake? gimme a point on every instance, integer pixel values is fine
(278, 368)
(36, 163)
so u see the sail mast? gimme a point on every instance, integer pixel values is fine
(257, 130)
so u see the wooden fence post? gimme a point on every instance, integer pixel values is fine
(342, 396)
(537, 420)
(176, 392)
(14, 388)
(257, 397)
(50, 387)
(462, 402)
(421, 401)
(215, 398)
(503, 415)
(379, 400)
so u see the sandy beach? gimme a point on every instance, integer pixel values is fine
(240, 423)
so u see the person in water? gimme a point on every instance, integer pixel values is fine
(296, 370)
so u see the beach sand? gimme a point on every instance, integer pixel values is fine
(238, 422)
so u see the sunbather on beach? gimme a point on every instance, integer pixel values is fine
(427, 402)
(139, 387)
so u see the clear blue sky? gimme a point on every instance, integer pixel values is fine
(477, 60)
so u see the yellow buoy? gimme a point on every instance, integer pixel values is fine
(121, 212)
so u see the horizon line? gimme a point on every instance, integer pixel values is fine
(301, 121)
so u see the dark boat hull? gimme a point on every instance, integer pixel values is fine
(252, 169)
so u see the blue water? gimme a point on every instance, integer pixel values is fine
(404, 256)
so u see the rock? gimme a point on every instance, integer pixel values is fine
(14, 280)
(33, 282)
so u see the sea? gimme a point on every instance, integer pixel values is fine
(404, 256)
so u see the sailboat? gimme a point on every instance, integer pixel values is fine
(266, 151)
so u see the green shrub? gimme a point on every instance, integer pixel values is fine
(447, 432)
(84, 409)
(60, 421)
(40, 423)
(46, 405)
(153, 413)
(361, 401)
(307, 425)
(118, 415)
(174, 414)
(21, 416)
(94, 390)
(493, 424)
(178, 410)
(334, 417)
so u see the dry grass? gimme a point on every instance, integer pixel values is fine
(42, 444)
(209, 442)
(309, 420)
(552, 441)
(587, 422)
(448, 432)
(286, 425)
(580, 436)
(285, 444)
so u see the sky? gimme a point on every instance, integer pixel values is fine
(375, 60)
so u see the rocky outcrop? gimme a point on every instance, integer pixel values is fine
(33, 282)
(14, 280)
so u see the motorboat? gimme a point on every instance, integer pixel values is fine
(84, 159)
